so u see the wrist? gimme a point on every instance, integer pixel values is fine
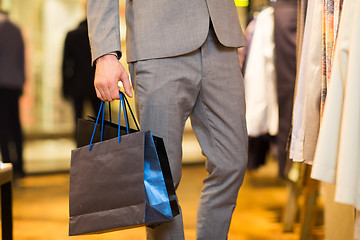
(106, 57)
(115, 54)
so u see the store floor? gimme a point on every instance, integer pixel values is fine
(40, 208)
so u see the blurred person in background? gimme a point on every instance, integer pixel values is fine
(12, 78)
(77, 72)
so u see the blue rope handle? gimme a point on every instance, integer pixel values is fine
(102, 124)
(102, 107)
(122, 102)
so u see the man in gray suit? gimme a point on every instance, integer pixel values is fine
(183, 62)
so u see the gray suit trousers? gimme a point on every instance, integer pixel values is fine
(207, 86)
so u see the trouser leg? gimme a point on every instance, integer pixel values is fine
(17, 135)
(10, 129)
(206, 83)
(78, 103)
(78, 107)
(166, 91)
(95, 103)
(218, 120)
(4, 126)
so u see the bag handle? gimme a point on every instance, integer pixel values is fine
(109, 111)
(101, 108)
(123, 103)
(131, 112)
(127, 105)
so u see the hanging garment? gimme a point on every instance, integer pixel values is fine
(259, 145)
(260, 88)
(330, 23)
(306, 113)
(258, 149)
(302, 9)
(285, 21)
(338, 151)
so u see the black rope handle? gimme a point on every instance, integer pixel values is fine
(110, 112)
(131, 112)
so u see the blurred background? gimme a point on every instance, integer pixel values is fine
(270, 204)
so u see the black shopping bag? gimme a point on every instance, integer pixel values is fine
(85, 128)
(117, 184)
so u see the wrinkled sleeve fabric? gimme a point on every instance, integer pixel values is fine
(104, 27)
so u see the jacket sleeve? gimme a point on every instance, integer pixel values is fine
(104, 27)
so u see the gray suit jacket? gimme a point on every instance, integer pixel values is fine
(161, 28)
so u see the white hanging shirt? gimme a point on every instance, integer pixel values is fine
(309, 70)
(260, 79)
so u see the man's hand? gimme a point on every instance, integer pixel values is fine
(109, 72)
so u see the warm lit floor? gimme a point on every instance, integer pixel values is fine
(40, 208)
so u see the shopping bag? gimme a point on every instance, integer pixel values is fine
(117, 184)
(85, 128)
